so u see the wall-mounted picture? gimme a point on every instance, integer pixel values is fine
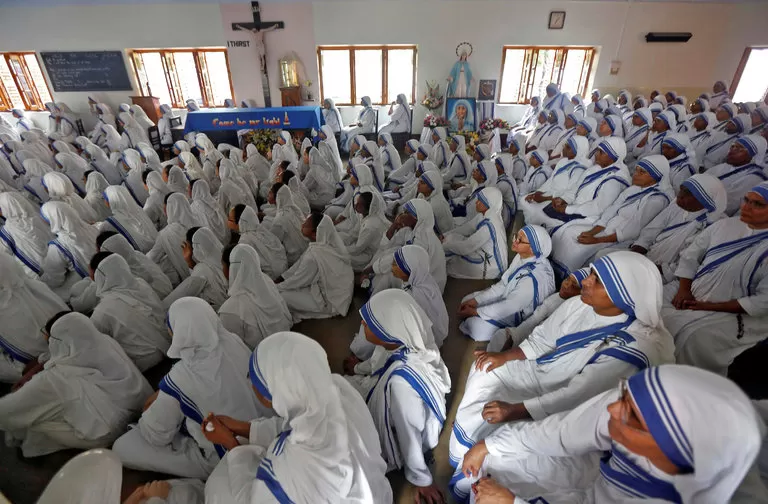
(461, 113)
(487, 90)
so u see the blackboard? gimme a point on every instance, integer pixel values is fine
(87, 71)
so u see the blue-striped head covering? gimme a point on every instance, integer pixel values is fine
(633, 283)
(425, 150)
(700, 193)
(536, 154)
(257, 378)
(654, 166)
(580, 274)
(673, 142)
(607, 147)
(585, 124)
(616, 125)
(749, 144)
(538, 237)
(668, 117)
(762, 190)
(401, 262)
(483, 199)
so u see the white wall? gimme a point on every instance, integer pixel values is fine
(721, 32)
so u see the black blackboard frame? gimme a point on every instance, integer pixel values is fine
(115, 60)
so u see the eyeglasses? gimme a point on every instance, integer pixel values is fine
(519, 240)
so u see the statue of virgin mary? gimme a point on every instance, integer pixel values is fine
(460, 79)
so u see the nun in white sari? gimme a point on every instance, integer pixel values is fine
(284, 150)
(129, 219)
(322, 446)
(320, 283)
(478, 248)
(620, 224)
(701, 202)
(234, 189)
(60, 188)
(208, 212)
(166, 252)
(364, 239)
(653, 439)
(406, 391)
(25, 307)
(202, 252)
(153, 207)
(365, 123)
(399, 117)
(74, 168)
(743, 168)
(610, 332)
(528, 281)
(176, 180)
(83, 398)
(330, 149)
(286, 225)
(271, 251)
(133, 168)
(141, 266)
(68, 255)
(130, 312)
(101, 163)
(332, 116)
(209, 377)
(390, 157)
(95, 186)
(254, 309)
(718, 308)
(320, 181)
(24, 235)
(133, 132)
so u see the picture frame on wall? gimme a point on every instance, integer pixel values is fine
(486, 90)
(556, 20)
(461, 114)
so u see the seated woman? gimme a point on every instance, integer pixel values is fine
(390, 157)
(360, 176)
(141, 266)
(537, 174)
(719, 144)
(129, 219)
(24, 235)
(743, 169)
(254, 309)
(566, 173)
(478, 248)
(234, 189)
(73, 167)
(202, 253)
(207, 210)
(167, 251)
(321, 179)
(597, 188)
(526, 283)
(399, 117)
(283, 150)
(332, 115)
(95, 185)
(60, 188)
(369, 153)
(516, 157)
(528, 121)
(320, 283)
(286, 225)
(462, 201)
(508, 187)
(244, 224)
(618, 446)
(569, 130)
(128, 311)
(414, 226)
(700, 203)
(68, 255)
(133, 167)
(459, 165)
(82, 398)
(209, 376)
(26, 306)
(546, 138)
(174, 177)
(588, 344)
(406, 392)
(505, 339)
(429, 188)
(576, 242)
(676, 147)
(410, 189)
(330, 149)
(365, 123)
(331, 452)
(440, 154)
(363, 241)
(716, 310)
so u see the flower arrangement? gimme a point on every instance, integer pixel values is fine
(491, 124)
(263, 139)
(432, 100)
(471, 138)
(434, 121)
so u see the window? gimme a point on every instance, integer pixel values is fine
(177, 75)
(22, 84)
(347, 73)
(751, 81)
(526, 71)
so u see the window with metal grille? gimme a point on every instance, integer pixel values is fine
(526, 71)
(347, 73)
(177, 75)
(22, 84)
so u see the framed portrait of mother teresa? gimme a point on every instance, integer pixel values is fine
(460, 113)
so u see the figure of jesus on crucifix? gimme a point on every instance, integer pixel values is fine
(258, 43)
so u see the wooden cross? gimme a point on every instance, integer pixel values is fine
(259, 28)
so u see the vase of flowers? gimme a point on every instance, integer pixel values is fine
(263, 139)
(433, 99)
(471, 140)
(434, 121)
(491, 124)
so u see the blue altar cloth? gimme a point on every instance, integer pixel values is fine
(221, 119)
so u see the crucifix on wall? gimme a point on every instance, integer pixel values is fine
(258, 28)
